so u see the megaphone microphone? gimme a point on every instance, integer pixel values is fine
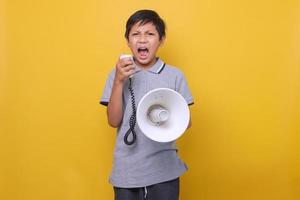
(132, 120)
(122, 56)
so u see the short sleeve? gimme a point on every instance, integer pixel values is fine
(107, 89)
(183, 89)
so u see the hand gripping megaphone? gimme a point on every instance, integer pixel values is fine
(163, 115)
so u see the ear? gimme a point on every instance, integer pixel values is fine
(127, 40)
(162, 41)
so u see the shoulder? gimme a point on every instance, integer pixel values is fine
(169, 69)
(111, 74)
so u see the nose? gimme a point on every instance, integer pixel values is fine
(143, 39)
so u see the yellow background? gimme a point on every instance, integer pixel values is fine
(242, 63)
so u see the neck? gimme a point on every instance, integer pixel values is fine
(148, 65)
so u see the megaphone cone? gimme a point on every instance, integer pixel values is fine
(163, 115)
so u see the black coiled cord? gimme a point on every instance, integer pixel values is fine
(132, 120)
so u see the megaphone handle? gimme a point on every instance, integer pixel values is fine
(132, 120)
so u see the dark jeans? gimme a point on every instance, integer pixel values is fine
(162, 191)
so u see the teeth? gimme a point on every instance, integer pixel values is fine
(142, 49)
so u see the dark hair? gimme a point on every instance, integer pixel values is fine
(144, 17)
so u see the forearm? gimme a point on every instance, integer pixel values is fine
(115, 106)
(190, 124)
(124, 68)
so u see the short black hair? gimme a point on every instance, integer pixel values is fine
(144, 17)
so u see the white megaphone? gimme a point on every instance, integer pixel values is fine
(163, 115)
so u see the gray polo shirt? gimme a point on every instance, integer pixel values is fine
(146, 162)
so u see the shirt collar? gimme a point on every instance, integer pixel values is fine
(156, 68)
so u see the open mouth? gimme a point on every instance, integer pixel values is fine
(143, 52)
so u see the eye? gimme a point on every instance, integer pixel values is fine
(151, 34)
(134, 34)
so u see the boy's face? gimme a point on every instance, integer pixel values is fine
(143, 41)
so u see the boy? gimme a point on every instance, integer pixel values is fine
(142, 168)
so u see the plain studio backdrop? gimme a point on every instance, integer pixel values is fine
(242, 63)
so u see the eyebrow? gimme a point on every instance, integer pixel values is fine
(145, 31)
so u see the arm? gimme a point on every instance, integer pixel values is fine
(190, 124)
(182, 88)
(124, 69)
(115, 107)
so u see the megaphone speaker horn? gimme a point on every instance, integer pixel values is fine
(163, 115)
